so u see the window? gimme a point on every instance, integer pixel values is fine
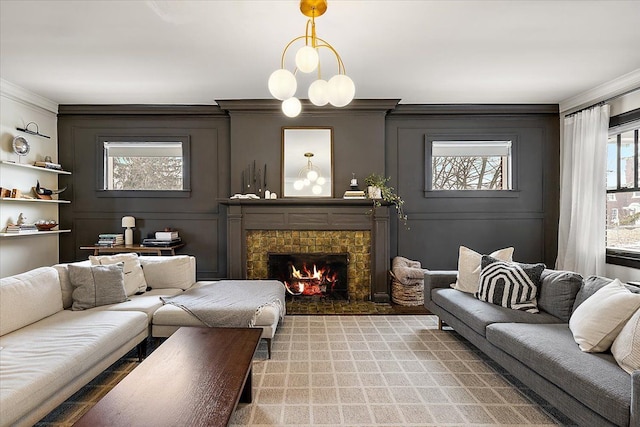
(471, 165)
(623, 187)
(140, 167)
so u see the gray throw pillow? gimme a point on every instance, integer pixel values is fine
(97, 285)
(592, 284)
(557, 293)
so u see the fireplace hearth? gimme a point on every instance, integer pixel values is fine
(311, 275)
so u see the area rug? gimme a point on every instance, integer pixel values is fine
(364, 371)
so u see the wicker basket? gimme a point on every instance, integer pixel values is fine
(410, 293)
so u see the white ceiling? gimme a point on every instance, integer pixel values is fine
(196, 52)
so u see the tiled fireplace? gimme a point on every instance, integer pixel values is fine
(324, 226)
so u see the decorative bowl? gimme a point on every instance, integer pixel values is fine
(44, 226)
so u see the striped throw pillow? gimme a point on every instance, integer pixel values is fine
(509, 284)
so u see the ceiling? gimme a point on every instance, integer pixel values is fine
(196, 52)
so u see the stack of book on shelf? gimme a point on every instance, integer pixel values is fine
(48, 165)
(354, 194)
(22, 228)
(163, 238)
(110, 240)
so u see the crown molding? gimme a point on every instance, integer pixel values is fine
(273, 106)
(623, 84)
(140, 110)
(24, 96)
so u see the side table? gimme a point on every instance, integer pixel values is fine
(157, 250)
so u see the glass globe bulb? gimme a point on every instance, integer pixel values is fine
(291, 107)
(298, 184)
(307, 59)
(282, 84)
(319, 93)
(321, 180)
(341, 90)
(312, 175)
(306, 182)
(316, 189)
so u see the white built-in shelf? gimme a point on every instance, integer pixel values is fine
(56, 171)
(10, 199)
(35, 233)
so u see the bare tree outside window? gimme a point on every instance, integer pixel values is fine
(147, 173)
(143, 166)
(471, 165)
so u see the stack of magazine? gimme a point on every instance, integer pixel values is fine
(110, 239)
(22, 228)
(162, 239)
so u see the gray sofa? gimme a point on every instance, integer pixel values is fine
(539, 349)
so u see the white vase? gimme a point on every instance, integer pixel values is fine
(374, 192)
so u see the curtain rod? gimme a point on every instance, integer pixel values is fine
(600, 103)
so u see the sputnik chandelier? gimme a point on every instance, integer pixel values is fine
(338, 91)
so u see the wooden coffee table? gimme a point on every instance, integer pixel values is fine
(196, 377)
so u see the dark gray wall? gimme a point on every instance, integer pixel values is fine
(369, 136)
(526, 219)
(199, 218)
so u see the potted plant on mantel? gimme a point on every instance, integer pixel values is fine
(378, 190)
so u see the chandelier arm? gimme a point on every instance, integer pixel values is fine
(341, 67)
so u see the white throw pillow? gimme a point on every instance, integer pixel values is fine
(596, 322)
(163, 272)
(469, 267)
(626, 347)
(134, 281)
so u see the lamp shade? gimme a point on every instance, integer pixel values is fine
(319, 93)
(307, 59)
(291, 107)
(341, 90)
(128, 222)
(282, 84)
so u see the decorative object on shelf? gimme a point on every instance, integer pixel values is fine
(45, 193)
(16, 194)
(379, 191)
(354, 192)
(338, 91)
(128, 222)
(21, 147)
(29, 131)
(46, 225)
(5, 192)
(252, 179)
(48, 165)
(21, 219)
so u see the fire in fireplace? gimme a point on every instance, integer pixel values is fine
(322, 275)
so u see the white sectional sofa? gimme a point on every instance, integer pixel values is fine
(49, 351)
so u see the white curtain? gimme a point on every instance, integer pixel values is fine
(581, 228)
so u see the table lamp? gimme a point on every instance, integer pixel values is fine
(128, 222)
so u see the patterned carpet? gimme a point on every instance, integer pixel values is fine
(364, 371)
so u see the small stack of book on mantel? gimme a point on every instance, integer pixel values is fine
(110, 240)
(162, 238)
(22, 228)
(354, 194)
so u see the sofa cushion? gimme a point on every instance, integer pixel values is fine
(479, 314)
(592, 284)
(28, 297)
(509, 284)
(134, 280)
(469, 267)
(598, 321)
(557, 293)
(593, 379)
(43, 358)
(169, 271)
(147, 303)
(97, 285)
(626, 347)
(65, 283)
